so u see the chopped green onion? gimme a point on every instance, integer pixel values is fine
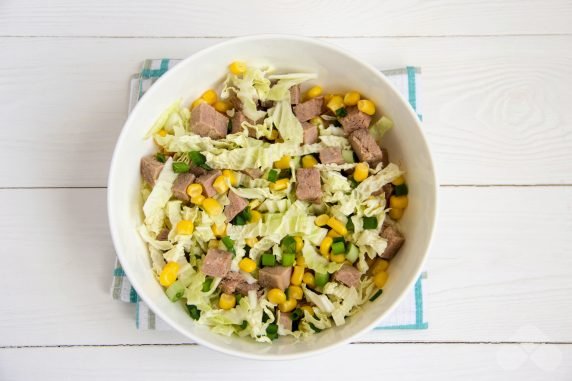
(288, 259)
(297, 314)
(338, 248)
(370, 223)
(175, 291)
(268, 260)
(353, 253)
(160, 156)
(238, 297)
(350, 225)
(265, 317)
(353, 182)
(207, 284)
(243, 325)
(194, 312)
(338, 239)
(321, 279)
(341, 112)
(272, 175)
(272, 331)
(246, 214)
(239, 220)
(180, 167)
(376, 295)
(228, 243)
(288, 244)
(199, 160)
(401, 190)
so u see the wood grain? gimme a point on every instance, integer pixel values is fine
(391, 361)
(496, 109)
(498, 271)
(316, 18)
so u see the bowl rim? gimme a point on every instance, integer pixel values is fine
(174, 72)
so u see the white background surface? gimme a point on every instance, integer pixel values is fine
(497, 79)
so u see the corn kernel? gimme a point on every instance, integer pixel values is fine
(395, 213)
(326, 245)
(337, 225)
(332, 233)
(210, 96)
(255, 216)
(351, 98)
(276, 296)
(251, 241)
(231, 176)
(194, 190)
(273, 135)
(219, 230)
(237, 67)
(379, 265)
(308, 279)
(222, 106)
(335, 103)
(220, 184)
(162, 132)
(185, 227)
(226, 301)
(380, 278)
(254, 204)
(361, 172)
(198, 200)
(299, 243)
(212, 206)
(314, 92)
(213, 244)
(398, 180)
(301, 261)
(321, 220)
(337, 258)
(288, 305)
(247, 265)
(366, 106)
(308, 309)
(328, 97)
(279, 185)
(317, 121)
(297, 275)
(295, 292)
(283, 163)
(309, 161)
(197, 102)
(398, 202)
(168, 275)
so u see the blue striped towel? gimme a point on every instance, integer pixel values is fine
(408, 315)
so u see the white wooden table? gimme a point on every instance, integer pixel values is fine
(497, 79)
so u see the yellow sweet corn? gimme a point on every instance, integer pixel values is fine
(317, 121)
(255, 216)
(288, 305)
(297, 275)
(314, 92)
(185, 227)
(308, 279)
(227, 301)
(398, 202)
(321, 220)
(168, 275)
(251, 241)
(212, 206)
(398, 180)
(337, 225)
(231, 176)
(198, 200)
(351, 98)
(299, 243)
(379, 265)
(295, 292)
(279, 185)
(361, 172)
(326, 245)
(380, 278)
(247, 265)
(308, 309)
(396, 213)
(332, 233)
(335, 103)
(219, 230)
(162, 132)
(222, 106)
(194, 190)
(309, 161)
(220, 184)
(254, 204)
(338, 258)
(237, 68)
(210, 96)
(197, 102)
(276, 296)
(366, 106)
(300, 261)
(283, 163)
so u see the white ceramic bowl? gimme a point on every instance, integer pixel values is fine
(337, 70)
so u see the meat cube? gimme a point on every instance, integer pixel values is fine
(285, 320)
(355, 120)
(365, 147)
(180, 186)
(235, 282)
(385, 157)
(255, 173)
(310, 133)
(163, 235)
(331, 155)
(308, 185)
(237, 205)
(394, 241)
(309, 109)
(151, 169)
(348, 275)
(216, 263)
(275, 277)
(295, 95)
(207, 180)
(206, 121)
(237, 120)
(234, 101)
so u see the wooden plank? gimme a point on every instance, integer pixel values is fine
(318, 18)
(498, 271)
(392, 361)
(496, 114)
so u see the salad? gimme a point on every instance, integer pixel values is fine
(268, 210)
